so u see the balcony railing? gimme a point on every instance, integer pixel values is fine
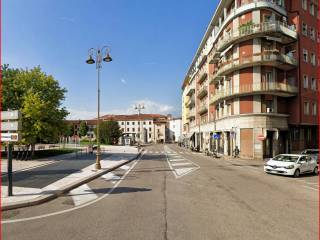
(203, 91)
(281, 89)
(282, 61)
(190, 103)
(254, 29)
(203, 109)
(190, 89)
(191, 114)
(202, 75)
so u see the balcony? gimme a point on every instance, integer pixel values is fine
(190, 89)
(203, 109)
(279, 89)
(280, 30)
(203, 91)
(202, 75)
(191, 114)
(190, 103)
(270, 58)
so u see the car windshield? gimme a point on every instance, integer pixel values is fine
(285, 158)
(311, 152)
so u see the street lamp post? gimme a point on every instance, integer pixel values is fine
(96, 56)
(139, 108)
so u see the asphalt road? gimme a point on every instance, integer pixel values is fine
(43, 176)
(179, 196)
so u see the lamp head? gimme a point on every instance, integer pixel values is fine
(108, 58)
(90, 60)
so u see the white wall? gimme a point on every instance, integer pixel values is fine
(175, 128)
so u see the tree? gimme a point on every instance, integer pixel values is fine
(83, 129)
(110, 132)
(39, 98)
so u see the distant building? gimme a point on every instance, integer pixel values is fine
(151, 127)
(175, 129)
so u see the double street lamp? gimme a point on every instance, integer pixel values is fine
(97, 56)
(139, 108)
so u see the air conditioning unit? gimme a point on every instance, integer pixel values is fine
(269, 110)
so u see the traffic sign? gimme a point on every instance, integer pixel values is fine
(10, 115)
(216, 136)
(10, 137)
(10, 126)
(261, 137)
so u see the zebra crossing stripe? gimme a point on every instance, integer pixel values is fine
(124, 167)
(111, 177)
(181, 164)
(82, 195)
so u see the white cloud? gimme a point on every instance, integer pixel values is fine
(76, 114)
(150, 107)
(123, 81)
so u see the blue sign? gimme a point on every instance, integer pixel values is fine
(216, 136)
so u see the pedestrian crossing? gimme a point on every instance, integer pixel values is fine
(151, 152)
(179, 165)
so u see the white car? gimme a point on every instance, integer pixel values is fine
(291, 165)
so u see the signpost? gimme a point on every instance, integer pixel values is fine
(10, 127)
(261, 137)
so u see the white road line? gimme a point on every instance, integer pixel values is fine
(111, 177)
(75, 208)
(183, 171)
(176, 160)
(82, 195)
(125, 167)
(181, 164)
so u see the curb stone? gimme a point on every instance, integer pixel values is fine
(50, 195)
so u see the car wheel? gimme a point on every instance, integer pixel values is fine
(315, 171)
(296, 173)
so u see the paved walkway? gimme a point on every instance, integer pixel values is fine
(117, 155)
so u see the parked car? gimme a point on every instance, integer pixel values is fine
(313, 153)
(291, 165)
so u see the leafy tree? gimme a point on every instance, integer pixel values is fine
(83, 129)
(39, 97)
(67, 130)
(110, 132)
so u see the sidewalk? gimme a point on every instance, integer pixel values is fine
(24, 197)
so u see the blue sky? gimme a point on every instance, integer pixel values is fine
(152, 43)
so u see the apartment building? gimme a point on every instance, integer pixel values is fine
(174, 129)
(253, 81)
(146, 128)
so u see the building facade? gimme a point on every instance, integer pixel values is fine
(253, 81)
(174, 129)
(146, 128)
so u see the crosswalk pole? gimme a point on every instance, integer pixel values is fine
(9, 145)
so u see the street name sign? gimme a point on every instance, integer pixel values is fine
(261, 138)
(10, 126)
(9, 137)
(10, 115)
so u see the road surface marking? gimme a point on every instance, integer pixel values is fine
(177, 160)
(110, 176)
(183, 171)
(82, 195)
(181, 164)
(125, 167)
(77, 207)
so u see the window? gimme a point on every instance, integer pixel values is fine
(304, 29)
(304, 4)
(144, 123)
(313, 59)
(128, 129)
(133, 123)
(313, 84)
(311, 9)
(122, 129)
(266, 18)
(128, 123)
(150, 123)
(133, 130)
(314, 109)
(305, 81)
(305, 55)
(312, 33)
(306, 108)
(150, 129)
(269, 77)
(122, 123)
(149, 135)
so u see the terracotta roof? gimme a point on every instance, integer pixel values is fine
(134, 117)
(90, 122)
